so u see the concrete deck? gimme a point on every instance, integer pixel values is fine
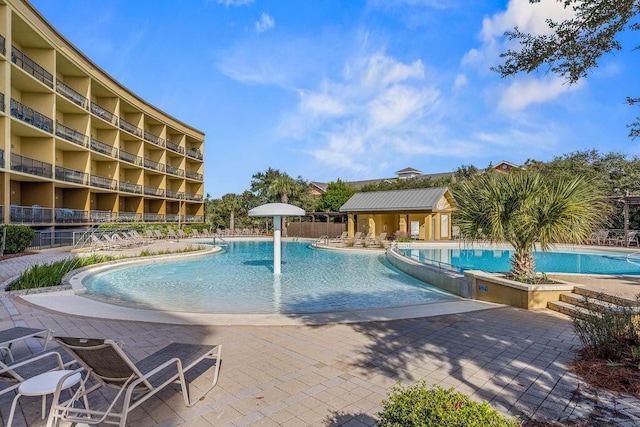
(338, 374)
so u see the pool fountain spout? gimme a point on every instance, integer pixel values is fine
(277, 211)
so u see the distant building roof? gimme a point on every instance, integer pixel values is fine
(398, 200)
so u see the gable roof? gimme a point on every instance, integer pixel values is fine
(397, 200)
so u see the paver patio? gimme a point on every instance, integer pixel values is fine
(338, 374)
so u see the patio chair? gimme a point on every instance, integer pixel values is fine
(172, 235)
(107, 365)
(195, 233)
(10, 336)
(14, 372)
(341, 238)
(205, 233)
(158, 234)
(382, 237)
(181, 233)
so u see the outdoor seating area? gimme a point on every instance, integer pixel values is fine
(81, 366)
(614, 237)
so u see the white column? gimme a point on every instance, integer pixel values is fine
(277, 230)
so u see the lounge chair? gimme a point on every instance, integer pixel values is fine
(382, 237)
(181, 233)
(172, 235)
(341, 238)
(195, 233)
(158, 234)
(107, 365)
(205, 233)
(10, 336)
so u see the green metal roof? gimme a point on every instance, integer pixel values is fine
(398, 200)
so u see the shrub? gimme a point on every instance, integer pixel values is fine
(18, 238)
(607, 330)
(418, 406)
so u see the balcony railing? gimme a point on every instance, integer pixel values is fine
(73, 216)
(2, 106)
(194, 197)
(28, 115)
(34, 214)
(31, 67)
(1, 158)
(127, 217)
(71, 94)
(72, 175)
(175, 147)
(103, 148)
(174, 194)
(195, 153)
(174, 218)
(153, 139)
(129, 157)
(153, 165)
(100, 216)
(130, 188)
(151, 217)
(31, 166)
(175, 171)
(153, 191)
(194, 218)
(103, 182)
(130, 127)
(3, 45)
(71, 135)
(194, 175)
(104, 114)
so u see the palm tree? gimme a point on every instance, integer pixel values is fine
(233, 203)
(524, 209)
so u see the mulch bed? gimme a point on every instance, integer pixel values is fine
(622, 376)
(9, 256)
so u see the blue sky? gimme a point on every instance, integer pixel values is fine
(351, 89)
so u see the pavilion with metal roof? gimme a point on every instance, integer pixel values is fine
(423, 214)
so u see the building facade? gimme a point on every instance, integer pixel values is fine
(77, 148)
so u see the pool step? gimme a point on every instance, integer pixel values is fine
(579, 302)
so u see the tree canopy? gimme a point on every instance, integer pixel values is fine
(574, 45)
(337, 193)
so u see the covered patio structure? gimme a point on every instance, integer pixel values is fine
(424, 214)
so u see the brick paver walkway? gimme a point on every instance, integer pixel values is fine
(337, 375)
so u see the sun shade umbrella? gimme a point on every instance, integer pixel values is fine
(276, 210)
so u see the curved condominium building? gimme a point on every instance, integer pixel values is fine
(77, 148)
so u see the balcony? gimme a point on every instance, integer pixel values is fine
(151, 217)
(104, 114)
(193, 197)
(34, 214)
(31, 67)
(130, 127)
(72, 135)
(1, 158)
(153, 165)
(174, 218)
(71, 94)
(31, 166)
(127, 217)
(130, 188)
(153, 139)
(30, 116)
(175, 147)
(175, 171)
(194, 175)
(2, 101)
(71, 216)
(195, 153)
(130, 158)
(153, 191)
(72, 175)
(174, 194)
(99, 216)
(3, 45)
(103, 182)
(101, 147)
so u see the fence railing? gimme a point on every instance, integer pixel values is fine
(31, 67)
(130, 127)
(175, 147)
(34, 214)
(20, 163)
(195, 153)
(69, 93)
(153, 191)
(194, 175)
(153, 165)
(72, 175)
(154, 139)
(130, 188)
(71, 135)
(103, 182)
(130, 158)
(31, 116)
(103, 113)
(103, 148)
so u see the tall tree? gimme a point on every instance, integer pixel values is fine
(233, 204)
(336, 194)
(525, 209)
(575, 45)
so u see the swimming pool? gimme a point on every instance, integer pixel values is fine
(497, 260)
(241, 280)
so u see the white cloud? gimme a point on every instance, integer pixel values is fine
(265, 23)
(235, 2)
(524, 92)
(460, 82)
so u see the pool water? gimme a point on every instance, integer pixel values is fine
(496, 261)
(241, 280)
